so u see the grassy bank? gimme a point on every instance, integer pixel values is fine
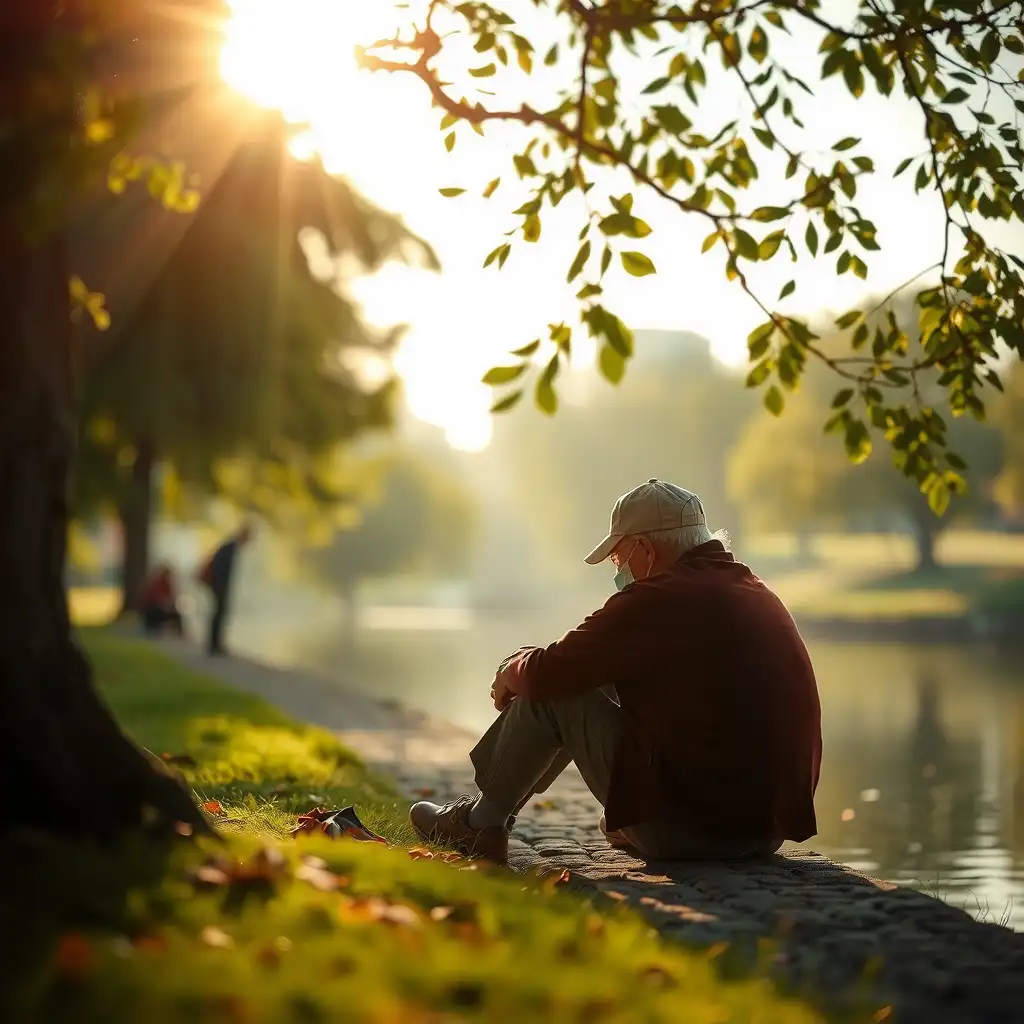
(260, 929)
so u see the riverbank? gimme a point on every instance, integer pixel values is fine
(250, 928)
(831, 930)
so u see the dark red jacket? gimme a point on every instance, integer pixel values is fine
(719, 695)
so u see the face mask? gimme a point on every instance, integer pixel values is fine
(625, 576)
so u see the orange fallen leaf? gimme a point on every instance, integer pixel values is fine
(452, 857)
(425, 791)
(213, 807)
(216, 937)
(564, 878)
(150, 943)
(73, 955)
(421, 853)
(849, 814)
(373, 908)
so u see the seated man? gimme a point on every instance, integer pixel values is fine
(688, 703)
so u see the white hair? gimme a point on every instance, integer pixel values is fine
(681, 539)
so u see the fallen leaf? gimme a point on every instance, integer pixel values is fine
(373, 908)
(658, 976)
(73, 955)
(181, 760)
(324, 881)
(564, 878)
(464, 911)
(424, 791)
(183, 828)
(217, 938)
(213, 807)
(421, 853)
(545, 805)
(849, 814)
(210, 874)
(451, 857)
(150, 943)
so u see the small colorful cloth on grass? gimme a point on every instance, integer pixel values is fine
(335, 824)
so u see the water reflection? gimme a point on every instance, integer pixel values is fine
(923, 778)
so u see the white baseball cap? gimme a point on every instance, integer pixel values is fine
(655, 505)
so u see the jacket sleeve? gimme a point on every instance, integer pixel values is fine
(600, 651)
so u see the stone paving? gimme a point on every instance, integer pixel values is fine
(829, 929)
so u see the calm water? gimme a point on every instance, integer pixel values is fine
(923, 776)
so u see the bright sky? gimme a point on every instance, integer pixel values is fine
(380, 132)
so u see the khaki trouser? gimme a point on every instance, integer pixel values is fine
(532, 742)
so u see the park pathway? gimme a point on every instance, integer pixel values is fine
(828, 928)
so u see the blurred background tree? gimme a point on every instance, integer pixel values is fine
(419, 519)
(241, 345)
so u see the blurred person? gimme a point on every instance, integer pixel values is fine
(688, 702)
(216, 574)
(159, 602)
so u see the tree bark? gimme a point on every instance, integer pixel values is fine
(136, 516)
(73, 771)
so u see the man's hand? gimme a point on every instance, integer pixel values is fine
(500, 693)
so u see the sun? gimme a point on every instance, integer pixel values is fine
(298, 56)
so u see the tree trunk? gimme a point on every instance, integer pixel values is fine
(136, 516)
(73, 770)
(926, 528)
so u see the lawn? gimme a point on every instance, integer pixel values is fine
(259, 928)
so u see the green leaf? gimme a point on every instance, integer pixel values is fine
(449, 192)
(844, 144)
(637, 264)
(770, 245)
(957, 95)
(774, 401)
(503, 404)
(787, 289)
(449, 141)
(611, 364)
(588, 291)
(673, 120)
(485, 72)
(903, 165)
(938, 497)
(759, 374)
(764, 214)
(561, 335)
(765, 137)
(842, 398)
(758, 46)
(843, 263)
(746, 246)
(498, 375)
(848, 319)
(491, 188)
(527, 350)
(759, 339)
(544, 394)
(857, 441)
(812, 239)
(531, 228)
(710, 241)
(580, 262)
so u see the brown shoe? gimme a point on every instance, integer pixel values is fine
(615, 838)
(448, 824)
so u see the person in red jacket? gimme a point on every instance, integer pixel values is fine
(688, 702)
(160, 602)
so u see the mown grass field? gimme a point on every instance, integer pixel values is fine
(260, 928)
